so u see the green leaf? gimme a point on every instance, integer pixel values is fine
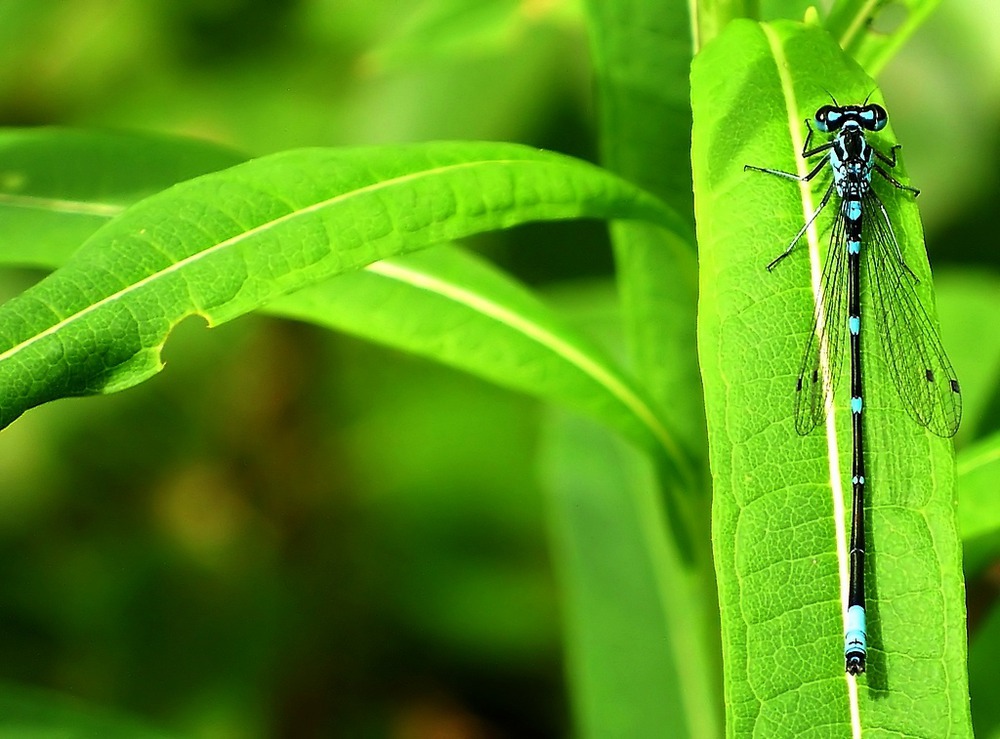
(47, 209)
(642, 56)
(781, 504)
(974, 346)
(978, 502)
(794, 10)
(984, 655)
(979, 505)
(642, 51)
(451, 307)
(226, 243)
(872, 32)
(444, 304)
(36, 714)
(629, 647)
(711, 16)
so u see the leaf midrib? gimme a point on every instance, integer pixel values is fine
(574, 356)
(61, 205)
(262, 228)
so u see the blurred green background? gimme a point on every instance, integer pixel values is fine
(290, 533)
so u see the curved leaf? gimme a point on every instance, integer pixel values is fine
(449, 306)
(226, 243)
(781, 504)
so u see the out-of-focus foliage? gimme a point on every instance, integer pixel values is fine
(291, 533)
(310, 536)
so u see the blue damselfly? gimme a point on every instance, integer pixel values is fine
(862, 232)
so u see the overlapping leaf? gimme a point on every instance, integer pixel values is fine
(229, 242)
(59, 185)
(447, 305)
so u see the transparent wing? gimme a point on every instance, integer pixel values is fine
(916, 358)
(823, 358)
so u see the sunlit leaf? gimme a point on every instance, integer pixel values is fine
(780, 500)
(227, 243)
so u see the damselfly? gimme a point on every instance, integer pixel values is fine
(915, 358)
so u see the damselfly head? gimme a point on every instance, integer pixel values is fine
(831, 118)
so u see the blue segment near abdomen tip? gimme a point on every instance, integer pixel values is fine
(855, 631)
(855, 405)
(854, 324)
(853, 247)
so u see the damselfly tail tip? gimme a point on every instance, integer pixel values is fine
(855, 640)
(855, 664)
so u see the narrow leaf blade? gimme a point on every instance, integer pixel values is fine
(447, 305)
(614, 564)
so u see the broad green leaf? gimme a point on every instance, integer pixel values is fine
(226, 243)
(37, 714)
(780, 510)
(449, 306)
(630, 648)
(873, 31)
(58, 186)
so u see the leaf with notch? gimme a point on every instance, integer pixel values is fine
(227, 243)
